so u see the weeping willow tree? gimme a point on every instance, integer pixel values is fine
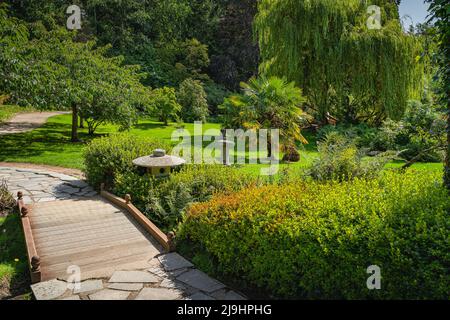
(346, 69)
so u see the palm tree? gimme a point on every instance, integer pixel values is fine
(269, 103)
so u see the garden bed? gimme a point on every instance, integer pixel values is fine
(316, 240)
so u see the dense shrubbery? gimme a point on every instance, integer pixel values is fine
(419, 135)
(340, 159)
(316, 240)
(164, 200)
(105, 157)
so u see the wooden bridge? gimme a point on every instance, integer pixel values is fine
(92, 234)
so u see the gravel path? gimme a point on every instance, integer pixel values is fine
(27, 121)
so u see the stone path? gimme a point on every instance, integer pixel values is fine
(27, 121)
(170, 277)
(44, 186)
(72, 226)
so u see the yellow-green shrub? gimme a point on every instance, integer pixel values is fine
(106, 157)
(316, 240)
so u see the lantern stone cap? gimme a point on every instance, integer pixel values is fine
(228, 142)
(158, 159)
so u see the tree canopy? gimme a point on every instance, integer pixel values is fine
(52, 71)
(353, 72)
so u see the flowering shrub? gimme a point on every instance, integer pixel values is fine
(316, 240)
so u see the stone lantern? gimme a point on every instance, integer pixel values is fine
(159, 164)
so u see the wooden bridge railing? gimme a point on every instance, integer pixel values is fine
(34, 262)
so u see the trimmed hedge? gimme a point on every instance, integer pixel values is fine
(105, 157)
(316, 240)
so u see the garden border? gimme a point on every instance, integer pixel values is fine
(167, 241)
(34, 262)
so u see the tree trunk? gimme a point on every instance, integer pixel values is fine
(75, 123)
(81, 122)
(447, 159)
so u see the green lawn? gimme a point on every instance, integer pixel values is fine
(51, 144)
(14, 276)
(7, 112)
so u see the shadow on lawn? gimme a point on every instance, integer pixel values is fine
(13, 257)
(50, 138)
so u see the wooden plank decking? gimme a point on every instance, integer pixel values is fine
(92, 234)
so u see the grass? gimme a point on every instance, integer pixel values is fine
(51, 144)
(7, 111)
(14, 277)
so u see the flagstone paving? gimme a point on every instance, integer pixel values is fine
(64, 211)
(140, 285)
(44, 186)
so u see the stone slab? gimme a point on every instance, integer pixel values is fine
(158, 294)
(49, 290)
(171, 284)
(173, 261)
(108, 294)
(133, 277)
(126, 286)
(200, 280)
(89, 286)
(71, 298)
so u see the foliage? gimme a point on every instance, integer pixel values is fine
(268, 103)
(14, 276)
(362, 135)
(164, 102)
(54, 71)
(340, 159)
(314, 240)
(106, 157)
(164, 201)
(215, 95)
(440, 11)
(192, 97)
(327, 49)
(420, 135)
(7, 201)
(234, 51)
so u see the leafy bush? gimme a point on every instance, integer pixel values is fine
(164, 200)
(105, 157)
(316, 240)
(361, 134)
(7, 201)
(419, 135)
(340, 159)
(192, 98)
(165, 105)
